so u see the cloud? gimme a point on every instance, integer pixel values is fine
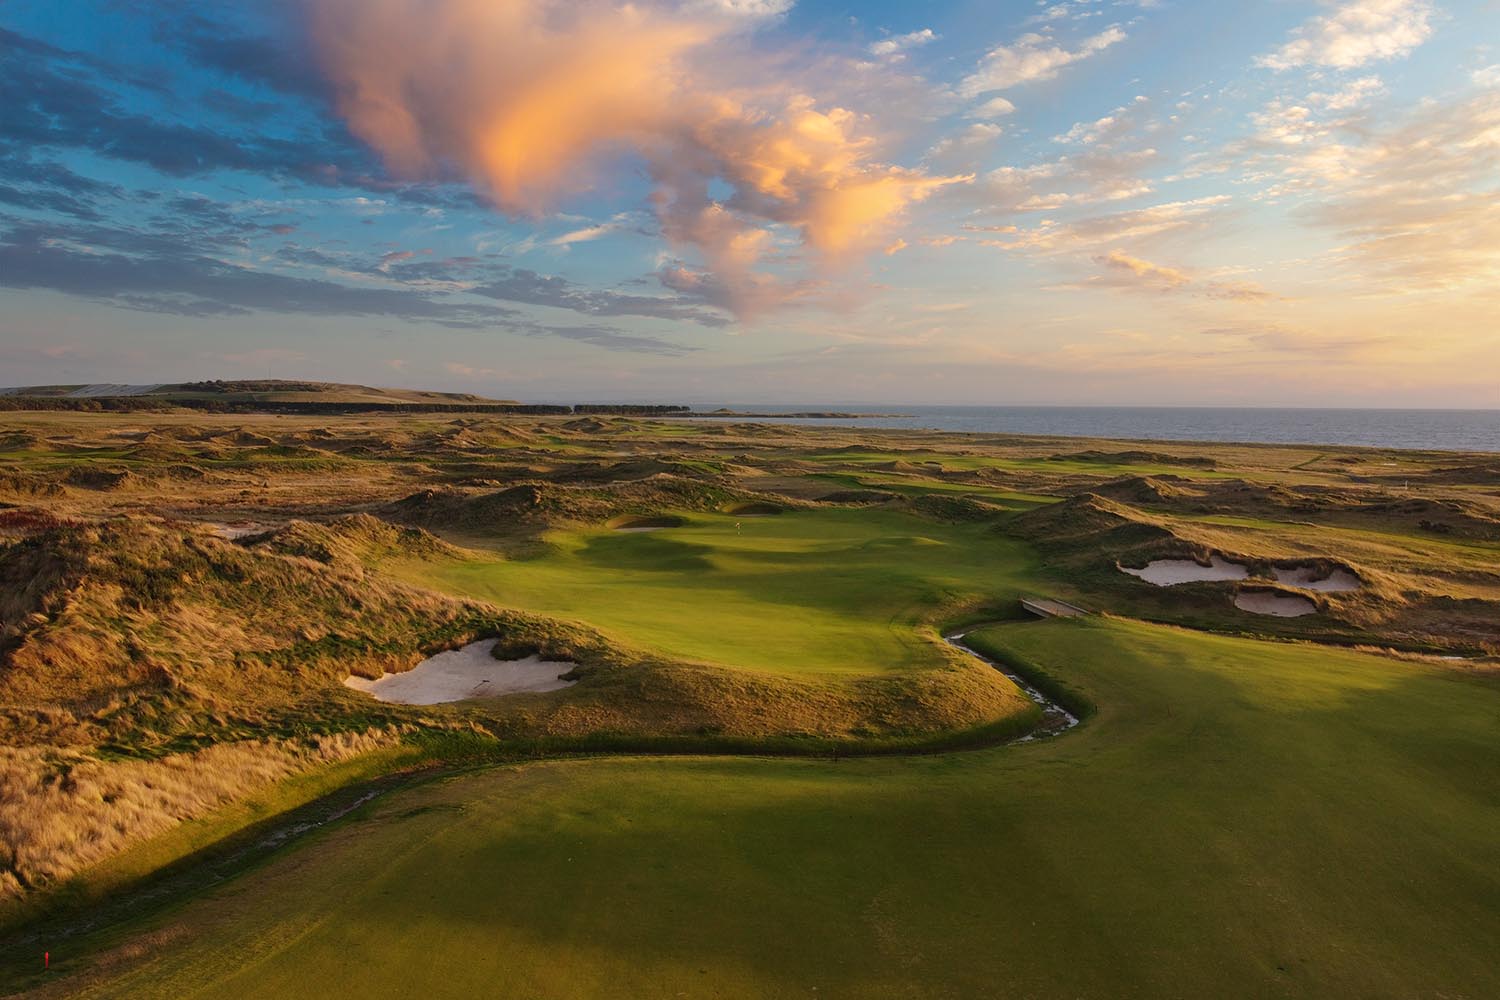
(1412, 196)
(1328, 346)
(1032, 57)
(60, 99)
(749, 10)
(528, 99)
(56, 98)
(160, 274)
(1355, 34)
(1122, 123)
(281, 63)
(1143, 224)
(1351, 95)
(995, 107)
(585, 235)
(168, 273)
(1124, 271)
(966, 150)
(896, 45)
(1155, 275)
(48, 186)
(1107, 160)
(530, 288)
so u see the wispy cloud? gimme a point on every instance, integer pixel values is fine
(896, 45)
(1143, 224)
(1124, 271)
(1030, 58)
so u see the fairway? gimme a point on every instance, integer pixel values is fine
(1239, 818)
(805, 592)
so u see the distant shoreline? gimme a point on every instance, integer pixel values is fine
(805, 415)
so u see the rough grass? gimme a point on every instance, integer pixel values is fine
(120, 628)
(61, 812)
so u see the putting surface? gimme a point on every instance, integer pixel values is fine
(1240, 818)
(805, 592)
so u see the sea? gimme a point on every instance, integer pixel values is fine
(1435, 430)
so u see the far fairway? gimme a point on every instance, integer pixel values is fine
(1239, 818)
(817, 591)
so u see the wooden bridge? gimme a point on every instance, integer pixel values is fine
(1046, 607)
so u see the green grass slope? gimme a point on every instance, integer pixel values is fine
(832, 591)
(1238, 819)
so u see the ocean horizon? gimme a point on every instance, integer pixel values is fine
(1414, 429)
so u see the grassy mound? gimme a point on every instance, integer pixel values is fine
(637, 522)
(857, 498)
(532, 507)
(753, 508)
(1086, 526)
(29, 486)
(1137, 457)
(1147, 489)
(134, 633)
(352, 540)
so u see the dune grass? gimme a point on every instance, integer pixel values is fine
(1062, 465)
(830, 591)
(1239, 818)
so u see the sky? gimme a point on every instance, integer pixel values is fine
(1073, 202)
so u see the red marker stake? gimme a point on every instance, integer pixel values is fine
(46, 959)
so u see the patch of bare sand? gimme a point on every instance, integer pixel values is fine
(461, 674)
(1268, 602)
(1170, 572)
(1306, 577)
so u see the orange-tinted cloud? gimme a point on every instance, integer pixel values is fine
(529, 99)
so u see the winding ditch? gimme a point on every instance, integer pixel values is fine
(1055, 718)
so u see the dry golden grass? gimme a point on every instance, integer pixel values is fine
(61, 812)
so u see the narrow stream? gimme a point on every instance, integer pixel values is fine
(1055, 718)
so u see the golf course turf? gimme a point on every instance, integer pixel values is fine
(1251, 806)
(1238, 818)
(810, 593)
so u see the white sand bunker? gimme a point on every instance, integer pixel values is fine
(234, 532)
(1170, 572)
(1308, 578)
(1268, 602)
(460, 674)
